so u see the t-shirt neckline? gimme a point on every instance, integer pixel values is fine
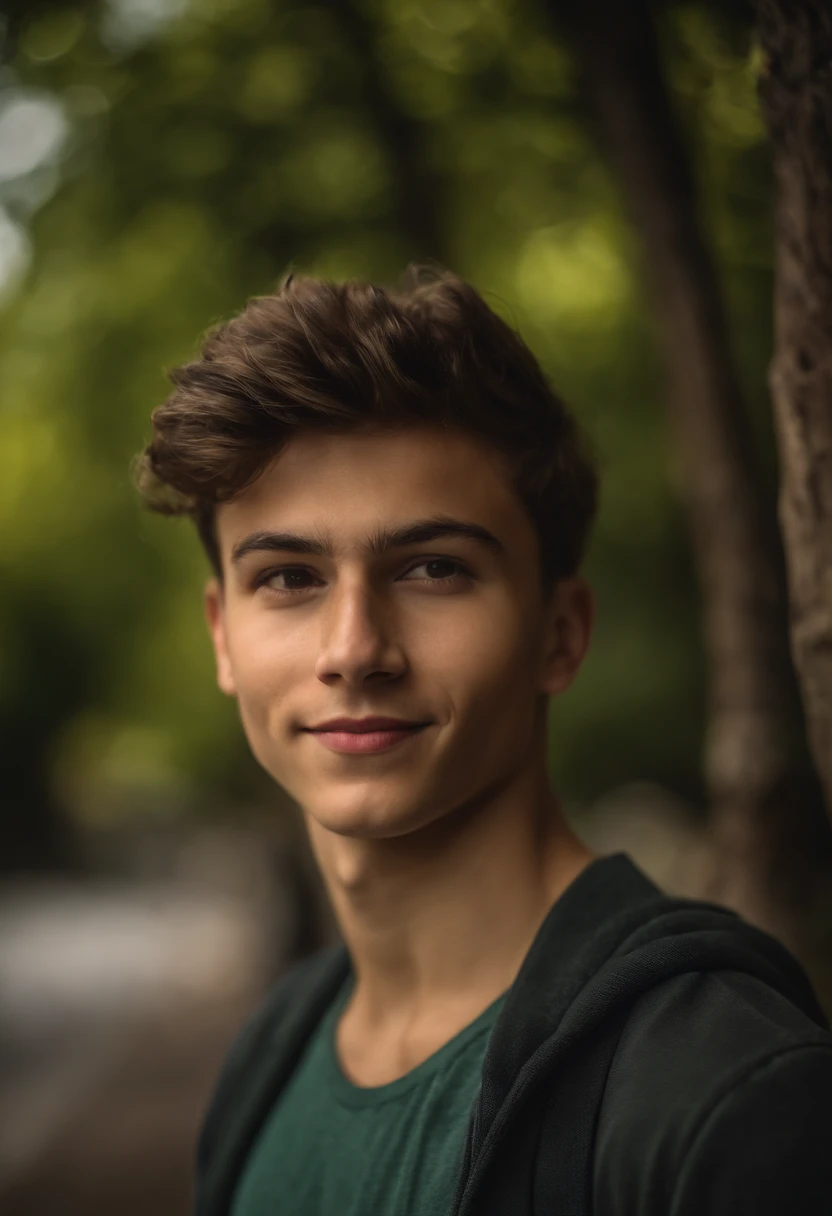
(348, 1093)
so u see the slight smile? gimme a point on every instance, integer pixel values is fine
(362, 737)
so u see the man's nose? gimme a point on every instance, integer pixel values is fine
(359, 635)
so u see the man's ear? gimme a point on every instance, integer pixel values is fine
(569, 620)
(215, 616)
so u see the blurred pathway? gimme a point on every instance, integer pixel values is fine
(117, 1004)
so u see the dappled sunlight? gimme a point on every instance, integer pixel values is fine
(195, 152)
(569, 273)
(15, 255)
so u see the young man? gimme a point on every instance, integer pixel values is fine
(396, 506)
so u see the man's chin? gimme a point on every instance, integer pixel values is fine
(367, 825)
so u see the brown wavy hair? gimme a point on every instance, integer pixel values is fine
(318, 355)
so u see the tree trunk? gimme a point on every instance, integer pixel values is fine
(415, 186)
(765, 828)
(796, 90)
(55, 673)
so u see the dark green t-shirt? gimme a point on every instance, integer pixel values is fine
(331, 1148)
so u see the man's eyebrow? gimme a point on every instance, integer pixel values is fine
(382, 541)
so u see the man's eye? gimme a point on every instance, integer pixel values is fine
(290, 576)
(290, 580)
(459, 571)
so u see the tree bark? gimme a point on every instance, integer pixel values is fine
(796, 91)
(416, 187)
(764, 827)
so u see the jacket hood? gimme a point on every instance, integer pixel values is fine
(610, 937)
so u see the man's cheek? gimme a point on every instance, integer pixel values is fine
(255, 719)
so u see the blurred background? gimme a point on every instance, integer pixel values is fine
(607, 184)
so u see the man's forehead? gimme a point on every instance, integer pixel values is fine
(411, 448)
(346, 490)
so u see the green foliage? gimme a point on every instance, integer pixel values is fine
(205, 155)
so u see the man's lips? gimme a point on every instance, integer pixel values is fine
(365, 741)
(370, 723)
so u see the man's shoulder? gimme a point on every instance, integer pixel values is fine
(697, 1049)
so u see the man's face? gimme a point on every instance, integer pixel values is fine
(451, 631)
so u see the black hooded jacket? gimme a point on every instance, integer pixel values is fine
(654, 1057)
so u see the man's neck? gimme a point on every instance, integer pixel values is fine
(437, 922)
